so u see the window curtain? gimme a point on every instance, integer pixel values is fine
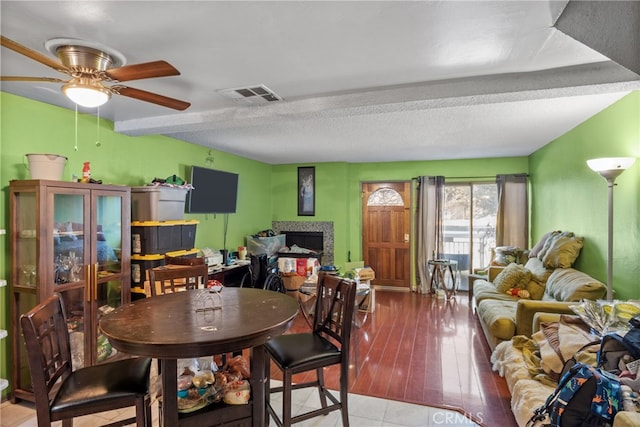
(429, 228)
(512, 222)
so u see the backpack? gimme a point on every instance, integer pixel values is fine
(585, 396)
(612, 350)
(616, 346)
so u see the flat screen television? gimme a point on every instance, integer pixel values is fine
(214, 191)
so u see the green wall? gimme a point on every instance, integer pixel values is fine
(338, 191)
(33, 127)
(567, 195)
(125, 160)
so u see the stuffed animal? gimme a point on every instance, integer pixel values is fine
(517, 292)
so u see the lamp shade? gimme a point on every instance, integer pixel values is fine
(610, 167)
(86, 93)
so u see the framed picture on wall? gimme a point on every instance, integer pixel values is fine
(306, 191)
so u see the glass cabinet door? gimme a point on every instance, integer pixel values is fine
(70, 260)
(25, 273)
(108, 288)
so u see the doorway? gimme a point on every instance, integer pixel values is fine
(386, 223)
(469, 222)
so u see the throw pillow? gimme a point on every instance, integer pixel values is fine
(513, 276)
(533, 253)
(563, 251)
(505, 255)
(547, 244)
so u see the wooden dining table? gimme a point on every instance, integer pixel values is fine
(197, 323)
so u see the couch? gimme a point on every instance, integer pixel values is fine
(526, 366)
(506, 304)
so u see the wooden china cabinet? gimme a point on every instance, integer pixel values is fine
(74, 239)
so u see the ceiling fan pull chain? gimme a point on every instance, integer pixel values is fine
(98, 144)
(76, 139)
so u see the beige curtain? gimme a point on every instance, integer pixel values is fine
(512, 222)
(428, 226)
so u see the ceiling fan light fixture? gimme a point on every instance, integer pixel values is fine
(86, 92)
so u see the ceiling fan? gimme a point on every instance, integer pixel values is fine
(90, 65)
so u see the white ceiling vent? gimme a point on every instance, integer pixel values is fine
(252, 95)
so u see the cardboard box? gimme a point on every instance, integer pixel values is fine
(365, 273)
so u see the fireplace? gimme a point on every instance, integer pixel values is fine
(314, 235)
(305, 239)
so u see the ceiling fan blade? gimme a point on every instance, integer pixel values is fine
(142, 71)
(154, 98)
(31, 79)
(36, 56)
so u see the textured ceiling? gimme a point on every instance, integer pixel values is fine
(361, 81)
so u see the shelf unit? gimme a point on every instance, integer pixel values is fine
(3, 333)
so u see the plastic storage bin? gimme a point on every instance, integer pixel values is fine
(140, 264)
(266, 245)
(160, 237)
(157, 203)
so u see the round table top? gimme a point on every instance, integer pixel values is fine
(174, 325)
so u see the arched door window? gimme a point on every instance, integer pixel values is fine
(385, 197)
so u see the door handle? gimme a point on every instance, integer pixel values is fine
(87, 281)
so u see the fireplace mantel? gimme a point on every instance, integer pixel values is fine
(326, 227)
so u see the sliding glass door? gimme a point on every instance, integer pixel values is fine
(469, 221)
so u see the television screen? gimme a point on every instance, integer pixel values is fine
(213, 191)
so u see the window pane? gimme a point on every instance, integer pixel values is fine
(457, 224)
(469, 219)
(485, 207)
(385, 197)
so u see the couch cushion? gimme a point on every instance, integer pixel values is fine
(513, 276)
(539, 272)
(536, 290)
(486, 290)
(499, 317)
(563, 251)
(570, 285)
(539, 276)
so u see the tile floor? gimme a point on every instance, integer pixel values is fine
(363, 411)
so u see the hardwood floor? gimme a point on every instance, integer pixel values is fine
(416, 348)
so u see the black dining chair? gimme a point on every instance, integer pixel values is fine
(62, 393)
(326, 345)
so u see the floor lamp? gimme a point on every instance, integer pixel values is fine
(610, 168)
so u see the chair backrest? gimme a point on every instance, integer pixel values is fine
(48, 350)
(183, 260)
(177, 277)
(334, 310)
